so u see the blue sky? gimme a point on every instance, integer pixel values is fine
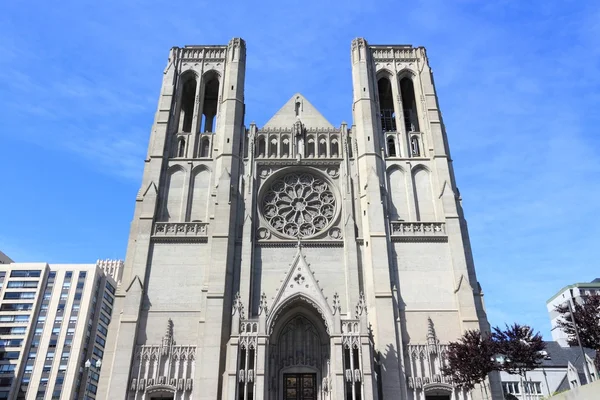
(518, 84)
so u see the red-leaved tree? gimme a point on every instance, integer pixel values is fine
(469, 360)
(520, 347)
(587, 318)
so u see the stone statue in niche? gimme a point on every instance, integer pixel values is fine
(299, 138)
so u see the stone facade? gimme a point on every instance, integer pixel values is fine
(297, 260)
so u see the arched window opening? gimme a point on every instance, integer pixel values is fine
(204, 147)
(386, 105)
(409, 107)
(188, 97)
(335, 152)
(273, 147)
(415, 148)
(209, 107)
(391, 144)
(260, 151)
(181, 148)
(297, 107)
(285, 147)
(310, 148)
(322, 147)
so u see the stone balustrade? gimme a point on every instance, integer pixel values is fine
(400, 229)
(180, 229)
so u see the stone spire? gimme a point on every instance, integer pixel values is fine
(167, 341)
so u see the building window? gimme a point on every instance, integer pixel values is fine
(14, 318)
(22, 284)
(17, 330)
(100, 341)
(102, 330)
(511, 387)
(25, 273)
(9, 355)
(16, 307)
(19, 295)
(4, 368)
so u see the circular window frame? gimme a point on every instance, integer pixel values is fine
(267, 185)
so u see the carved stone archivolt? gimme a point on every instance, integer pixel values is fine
(299, 205)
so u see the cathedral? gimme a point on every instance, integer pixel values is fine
(296, 260)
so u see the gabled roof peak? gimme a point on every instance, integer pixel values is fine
(298, 108)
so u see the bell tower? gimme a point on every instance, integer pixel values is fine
(180, 254)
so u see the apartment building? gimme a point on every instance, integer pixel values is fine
(575, 293)
(54, 318)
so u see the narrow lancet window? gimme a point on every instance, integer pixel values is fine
(409, 107)
(204, 147)
(181, 148)
(335, 152)
(391, 147)
(386, 105)
(285, 147)
(209, 107)
(310, 148)
(260, 151)
(273, 147)
(322, 147)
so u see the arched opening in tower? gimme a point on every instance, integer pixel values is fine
(209, 108)
(407, 91)
(386, 105)
(187, 104)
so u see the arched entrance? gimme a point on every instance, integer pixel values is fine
(438, 391)
(299, 354)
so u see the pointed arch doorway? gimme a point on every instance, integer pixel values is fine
(299, 353)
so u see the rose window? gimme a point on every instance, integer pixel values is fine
(299, 205)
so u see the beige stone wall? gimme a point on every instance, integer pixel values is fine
(586, 392)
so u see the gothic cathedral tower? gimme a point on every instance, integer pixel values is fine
(298, 260)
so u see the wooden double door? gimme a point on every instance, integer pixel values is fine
(300, 387)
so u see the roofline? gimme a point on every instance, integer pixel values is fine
(574, 285)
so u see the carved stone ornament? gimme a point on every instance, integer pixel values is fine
(299, 205)
(263, 233)
(335, 233)
(361, 306)
(265, 172)
(336, 304)
(333, 172)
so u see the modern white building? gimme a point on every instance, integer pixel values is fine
(54, 317)
(562, 369)
(298, 260)
(574, 293)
